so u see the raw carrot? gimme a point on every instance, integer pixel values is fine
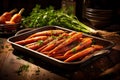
(16, 18)
(47, 33)
(6, 16)
(27, 41)
(66, 42)
(83, 53)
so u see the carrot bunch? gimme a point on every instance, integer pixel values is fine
(61, 45)
(10, 17)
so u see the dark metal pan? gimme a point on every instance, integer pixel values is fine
(65, 65)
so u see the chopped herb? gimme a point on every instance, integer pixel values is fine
(93, 41)
(7, 46)
(40, 42)
(10, 49)
(68, 36)
(22, 68)
(54, 37)
(37, 71)
(65, 37)
(73, 50)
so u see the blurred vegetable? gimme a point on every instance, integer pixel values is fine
(10, 18)
(42, 17)
(16, 18)
(6, 16)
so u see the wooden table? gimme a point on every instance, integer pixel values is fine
(16, 66)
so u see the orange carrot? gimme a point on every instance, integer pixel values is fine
(72, 33)
(52, 45)
(38, 44)
(86, 42)
(8, 22)
(67, 48)
(31, 44)
(62, 57)
(2, 20)
(27, 41)
(6, 16)
(47, 33)
(66, 42)
(56, 39)
(16, 18)
(83, 53)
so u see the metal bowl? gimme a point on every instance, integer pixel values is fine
(98, 17)
(99, 11)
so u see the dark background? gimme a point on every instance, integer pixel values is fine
(7, 5)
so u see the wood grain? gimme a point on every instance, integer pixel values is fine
(10, 64)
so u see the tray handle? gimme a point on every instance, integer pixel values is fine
(96, 55)
(23, 31)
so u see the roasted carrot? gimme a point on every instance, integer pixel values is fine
(55, 42)
(27, 41)
(86, 42)
(47, 33)
(52, 45)
(63, 35)
(38, 44)
(66, 42)
(39, 49)
(63, 51)
(62, 57)
(31, 44)
(16, 18)
(97, 47)
(67, 48)
(83, 53)
(56, 39)
(72, 33)
(6, 16)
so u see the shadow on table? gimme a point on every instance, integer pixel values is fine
(44, 64)
(89, 72)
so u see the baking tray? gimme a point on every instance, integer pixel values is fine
(65, 65)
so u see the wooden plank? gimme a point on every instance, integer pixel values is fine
(11, 65)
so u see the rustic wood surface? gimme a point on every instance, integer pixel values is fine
(15, 66)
